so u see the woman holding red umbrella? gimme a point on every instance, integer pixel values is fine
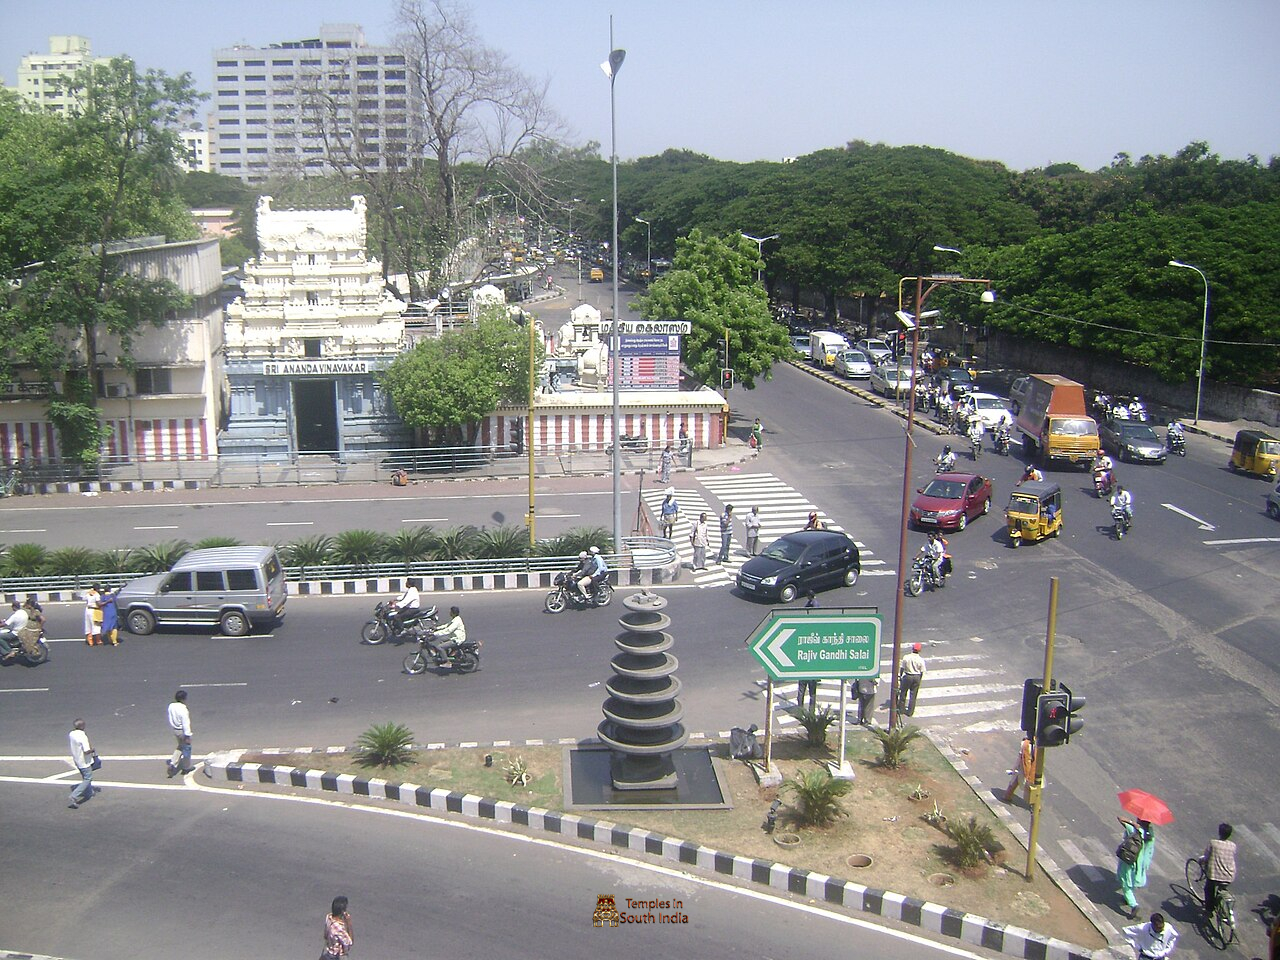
(1138, 844)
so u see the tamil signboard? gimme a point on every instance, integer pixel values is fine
(654, 327)
(818, 644)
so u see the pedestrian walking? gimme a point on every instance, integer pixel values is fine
(180, 724)
(698, 538)
(1133, 859)
(757, 434)
(84, 757)
(665, 462)
(726, 534)
(669, 513)
(93, 616)
(110, 618)
(1154, 940)
(866, 690)
(339, 932)
(752, 522)
(685, 445)
(1024, 772)
(910, 675)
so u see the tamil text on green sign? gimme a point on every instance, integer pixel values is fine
(796, 646)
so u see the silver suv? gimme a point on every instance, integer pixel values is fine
(236, 588)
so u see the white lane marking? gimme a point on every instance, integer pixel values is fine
(1204, 524)
(1223, 543)
(290, 523)
(1094, 874)
(1255, 844)
(26, 690)
(229, 684)
(32, 530)
(171, 526)
(607, 856)
(424, 520)
(947, 710)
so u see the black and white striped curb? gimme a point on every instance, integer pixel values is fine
(1050, 866)
(113, 486)
(931, 917)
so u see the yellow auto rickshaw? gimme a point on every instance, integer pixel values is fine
(1256, 452)
(1035, 511)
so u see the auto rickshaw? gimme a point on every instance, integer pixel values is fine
(1256, 452)
(1035, 511)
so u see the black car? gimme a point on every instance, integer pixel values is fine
(799, 562)
(954, 380)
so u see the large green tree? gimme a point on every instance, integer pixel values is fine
(712, 283)
(445, 387)
(70, 189)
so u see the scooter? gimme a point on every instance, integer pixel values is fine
(462, 658)
(975, 443)
(386, 626)
(1003, 441)
(1176, 443)
(636, 444)
(1102, 483)
(31, 651)
(1120, 522)
(567, 594)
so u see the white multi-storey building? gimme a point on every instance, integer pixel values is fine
(274, 105)
(305, 341)
(195, 151)
(42, 77)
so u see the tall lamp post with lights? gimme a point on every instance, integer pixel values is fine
(911, 323)
(760, 242)
(648, 248)
(611, 68)
(1204, 331)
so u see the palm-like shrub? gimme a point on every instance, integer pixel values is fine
(815, 723)
(385, 745)
(817, 795)
(24, 560)
(73, 562)
(456, 543)
(358, 548)
(893, 745)
(209, 542)
(308, 552)
(115, 560)
(553, 547)
(501, 542)
(159, 557)
(409, 546)
(578, 539)
(972, 842)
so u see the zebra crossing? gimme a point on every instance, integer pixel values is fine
(783, 509)
(961, 692)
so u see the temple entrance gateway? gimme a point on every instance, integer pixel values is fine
(315, 415)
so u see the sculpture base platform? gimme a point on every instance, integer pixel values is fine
(695, 784)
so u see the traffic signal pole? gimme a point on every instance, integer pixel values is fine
(1038, 784)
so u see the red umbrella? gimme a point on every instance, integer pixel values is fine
(1145, 806)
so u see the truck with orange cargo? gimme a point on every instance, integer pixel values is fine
(1054, 421)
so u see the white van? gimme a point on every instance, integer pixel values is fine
(825, 346)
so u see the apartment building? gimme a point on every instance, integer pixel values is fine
(42, 77)
(195, 150)
(304, 106)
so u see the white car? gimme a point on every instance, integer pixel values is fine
(877, 350)
(987, 407)
(852, 364)
(890, 379)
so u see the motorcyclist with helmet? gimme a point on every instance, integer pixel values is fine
(1031, 473)
(946, 460)
(1102, 472)
(583, 573)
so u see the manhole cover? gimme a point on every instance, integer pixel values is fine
(986, 564)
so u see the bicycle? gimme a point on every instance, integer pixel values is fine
(1219, 928)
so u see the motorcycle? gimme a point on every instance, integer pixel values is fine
(975, 444)
(922, 574)
(567, 594)
(462, 658)
(637, 444)
(29, 649)
(1120, 521)
(1102, 483)
(944, 462)
(385, 625)
(1177, 444)
(1003, 442)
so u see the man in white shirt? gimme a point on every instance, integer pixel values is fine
(82, 755)
(910, 674)
(180, 725)
(9, 634)
(452, 635)
(407, 604)
(1154, 940)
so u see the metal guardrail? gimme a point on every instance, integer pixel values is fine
(642, 553)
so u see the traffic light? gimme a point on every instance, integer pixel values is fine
(1031, 690)
(724, 353)
(1055, 716)
(726, 379)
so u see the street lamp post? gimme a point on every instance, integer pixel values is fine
(611, 68)
(1204, 331)
(912, 323)
(648, 249)
(760, 242)
(577, 253)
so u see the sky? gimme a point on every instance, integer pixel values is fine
(1023, 82)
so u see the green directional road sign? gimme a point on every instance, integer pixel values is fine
(794, 645)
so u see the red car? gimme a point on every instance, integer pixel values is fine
(950, 501)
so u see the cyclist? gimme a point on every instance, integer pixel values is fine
(1219, 863)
